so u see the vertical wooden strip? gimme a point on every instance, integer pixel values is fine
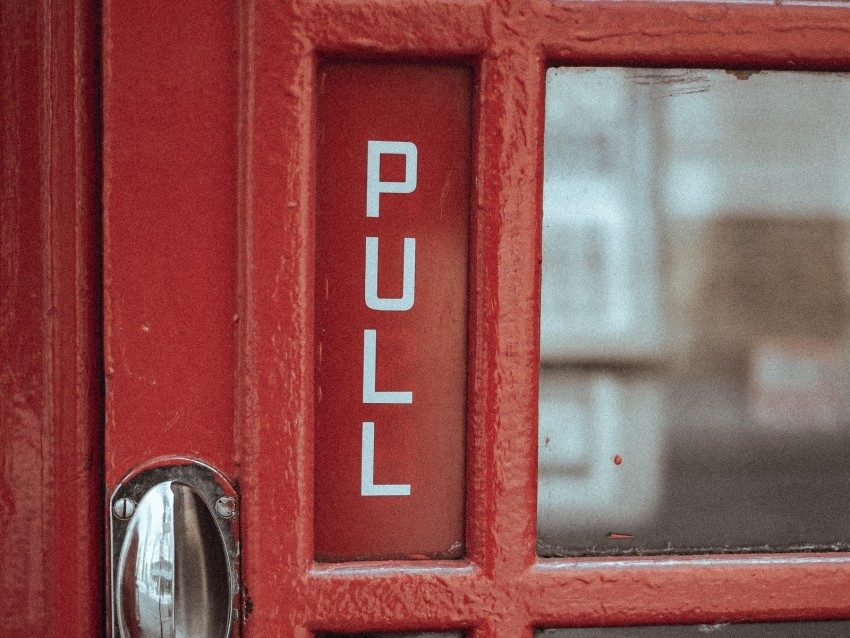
(506, 300)
(275, 357)
(25, 496)
(75, 300)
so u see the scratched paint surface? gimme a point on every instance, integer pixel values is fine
(23, 498)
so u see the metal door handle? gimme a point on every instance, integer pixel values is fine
(174, 556)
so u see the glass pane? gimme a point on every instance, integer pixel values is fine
(424, 634)
(695, 377)
(832, 629)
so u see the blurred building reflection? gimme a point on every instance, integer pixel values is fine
(694, 352)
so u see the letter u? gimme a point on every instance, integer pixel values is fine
(405, 302)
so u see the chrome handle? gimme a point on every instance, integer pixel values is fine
(174, 541)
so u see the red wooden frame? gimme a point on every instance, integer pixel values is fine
(502, 588)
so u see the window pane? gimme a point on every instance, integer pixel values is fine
(424, 634)
(837, 629)
(695, 378)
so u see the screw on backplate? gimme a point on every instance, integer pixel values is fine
(225, 507)
(124, 508)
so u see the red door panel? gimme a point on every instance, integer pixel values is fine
(391, 269)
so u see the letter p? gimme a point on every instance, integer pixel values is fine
(374, 185)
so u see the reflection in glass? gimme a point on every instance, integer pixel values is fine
(695, 377)
(831, 629)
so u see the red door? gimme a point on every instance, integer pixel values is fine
(227, 224)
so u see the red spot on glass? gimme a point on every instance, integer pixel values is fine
(618, 459)
(617, 537)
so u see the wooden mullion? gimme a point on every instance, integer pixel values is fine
(73, 251)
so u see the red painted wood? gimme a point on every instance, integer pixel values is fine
(169, 144)
(50, 471)
(420, 349)
(499, 592)
(693, 589)
(275, 341)
(172, 117)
